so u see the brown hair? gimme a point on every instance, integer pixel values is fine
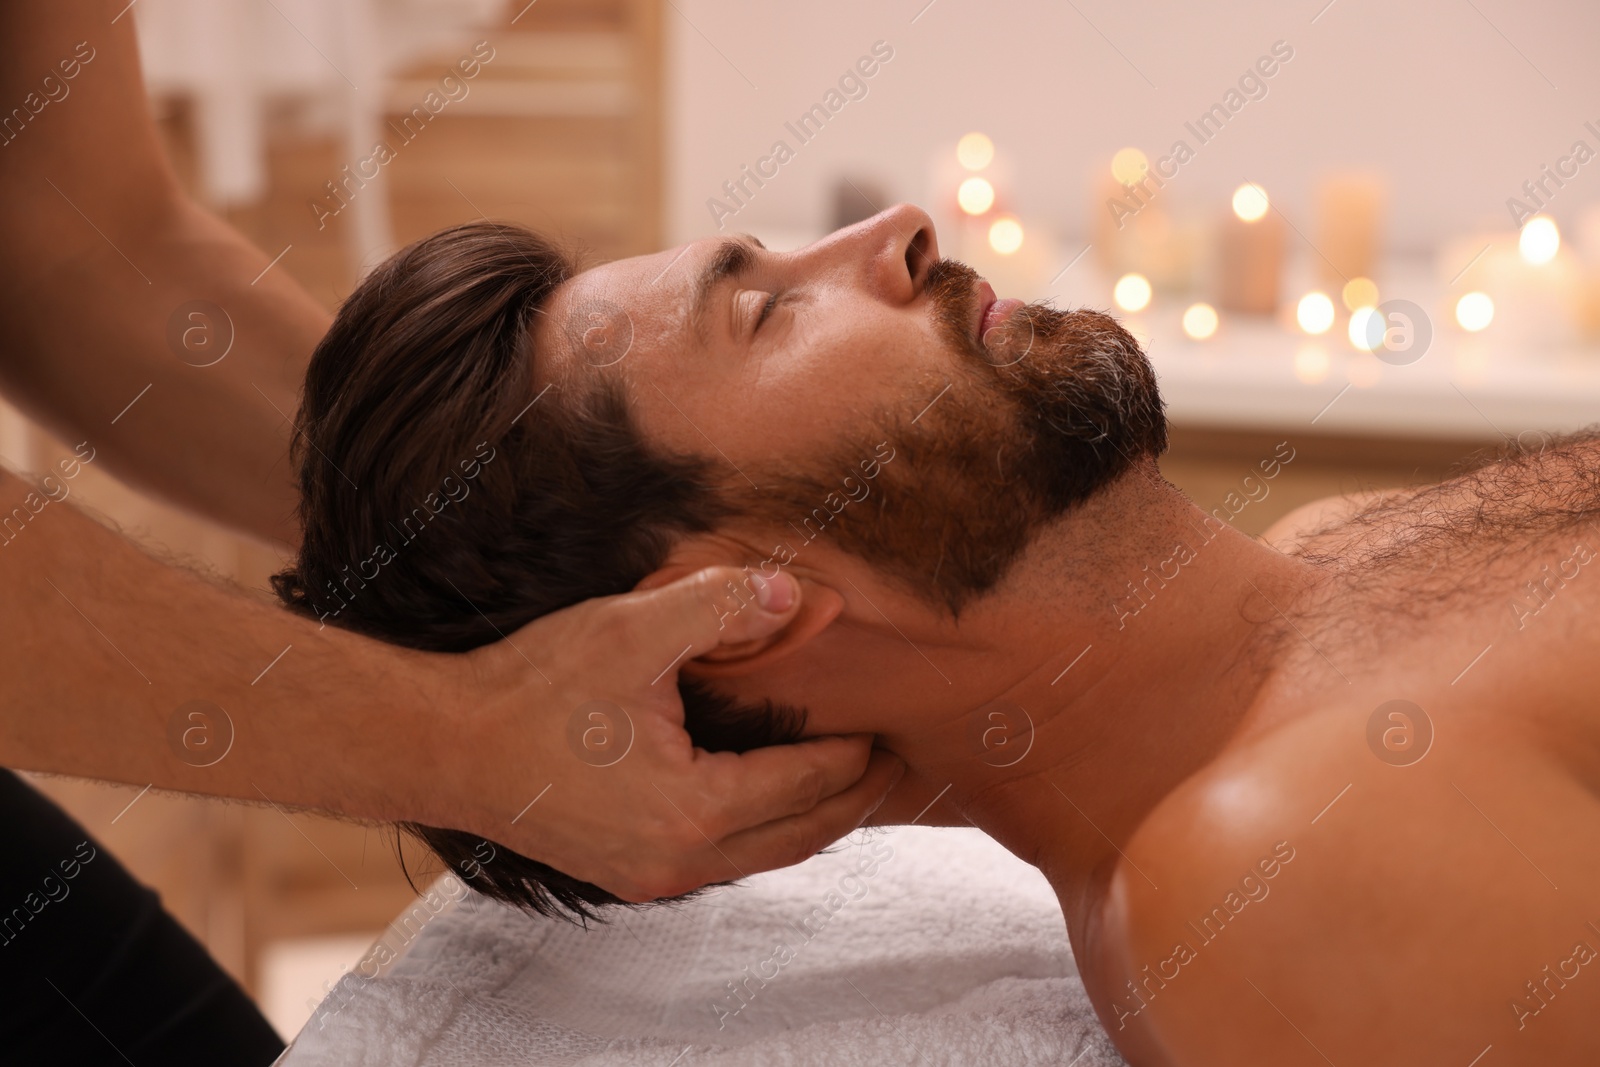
(441, 508)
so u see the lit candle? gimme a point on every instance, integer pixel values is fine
(1132, 230)
(1534, 292)
(1250, 254)
(1349, 227)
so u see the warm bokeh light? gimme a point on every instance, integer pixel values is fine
(1200, 321)
(975, 151)
(1366, 328)
(1360, 293)
(1474, 311)
(1132, 292)
(1540, 240)
(1250, 201)
(1005, 235)
(975, 196)
(1128, 166)
(1311, 364)
(1315, 313)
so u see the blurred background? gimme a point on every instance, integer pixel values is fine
(1370, 231)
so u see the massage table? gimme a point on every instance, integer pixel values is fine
(914, 945)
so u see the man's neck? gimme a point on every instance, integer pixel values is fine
(1109, 689)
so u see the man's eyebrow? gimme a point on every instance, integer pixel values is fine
(732, 259)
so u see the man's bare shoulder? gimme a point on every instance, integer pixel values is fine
(1308, 520)
(1305, 900)
(1527, 484)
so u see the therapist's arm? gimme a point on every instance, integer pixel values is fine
(100, 248)
(118, 667)
(101, 648)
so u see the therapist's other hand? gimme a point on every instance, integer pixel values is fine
(634, 807)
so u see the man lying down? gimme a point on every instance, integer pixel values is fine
(1328, 799)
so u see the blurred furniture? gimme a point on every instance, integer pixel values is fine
(562, 132)
(232, 58)
(589, 73)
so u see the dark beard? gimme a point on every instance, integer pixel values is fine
(1083, 396)
(1046, 414)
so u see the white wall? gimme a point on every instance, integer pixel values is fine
(1428, 92)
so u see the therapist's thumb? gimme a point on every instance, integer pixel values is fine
(711, 607)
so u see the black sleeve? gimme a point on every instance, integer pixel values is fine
(92, 969)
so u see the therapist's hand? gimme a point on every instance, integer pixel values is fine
(634, 807)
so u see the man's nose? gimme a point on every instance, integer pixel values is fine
(892, 250)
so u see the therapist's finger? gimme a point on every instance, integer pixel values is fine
(767, 784)
(798, 837)
(676, 622)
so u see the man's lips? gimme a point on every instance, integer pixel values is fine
(992, 311)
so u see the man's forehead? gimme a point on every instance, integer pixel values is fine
(657, 297)
(602, 312)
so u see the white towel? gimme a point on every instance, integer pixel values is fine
(905, 946)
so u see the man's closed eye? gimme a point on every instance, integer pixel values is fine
(754, 307)
(767, 309)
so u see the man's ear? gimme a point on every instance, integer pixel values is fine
(819, 606)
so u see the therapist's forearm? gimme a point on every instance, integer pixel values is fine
(87, 337)
(102, 257)
(102, 647)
